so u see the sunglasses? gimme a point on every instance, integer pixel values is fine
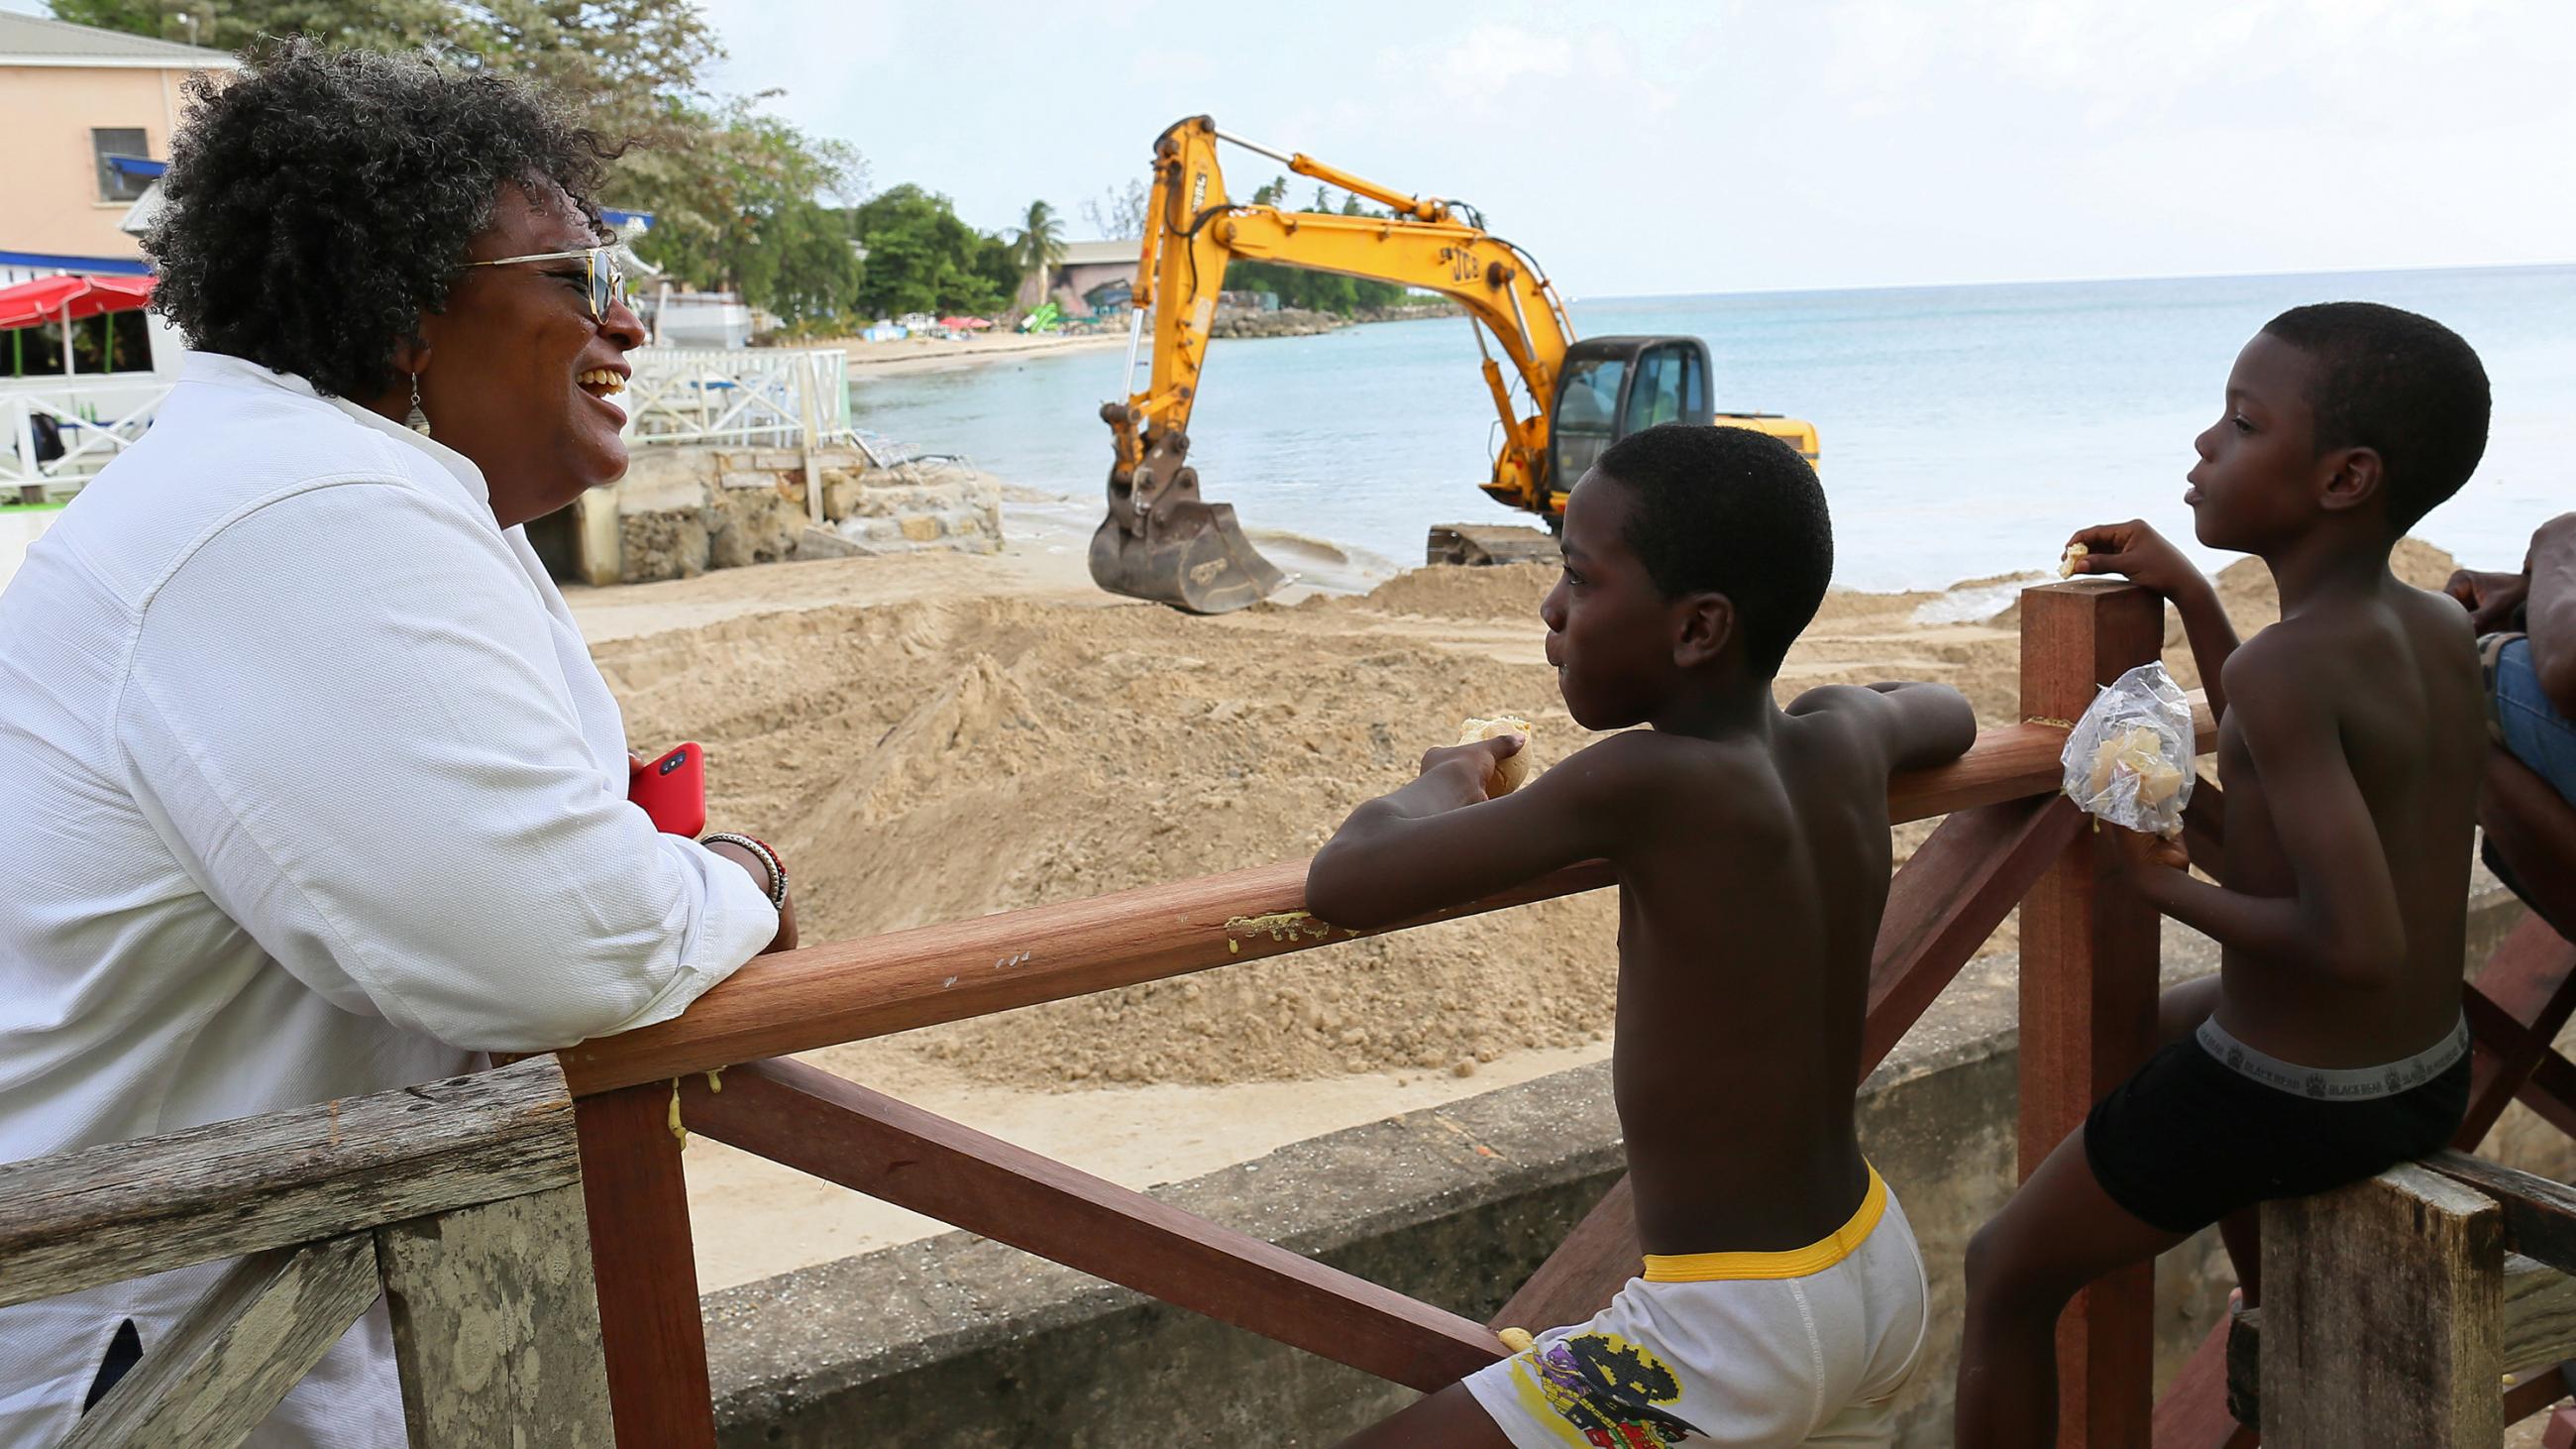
(607, 280)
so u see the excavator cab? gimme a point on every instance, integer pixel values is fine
(1610, 387)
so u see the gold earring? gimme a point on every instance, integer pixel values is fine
(416, 420)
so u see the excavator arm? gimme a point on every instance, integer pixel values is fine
(1161, 540)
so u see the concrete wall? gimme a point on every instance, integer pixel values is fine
(681, 511)
(956, 1341)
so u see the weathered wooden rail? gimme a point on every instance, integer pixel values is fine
(2088, 987)
(459, 1202)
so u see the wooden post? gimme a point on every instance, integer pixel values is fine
(2088, 999)
(2381, 1310)
(641, 1258)
(496, 1327)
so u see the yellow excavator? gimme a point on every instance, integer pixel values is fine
(1162, 541)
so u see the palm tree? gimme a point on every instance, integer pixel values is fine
(1037, 249)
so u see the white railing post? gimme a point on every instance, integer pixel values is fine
(810, 418)
(23, 469)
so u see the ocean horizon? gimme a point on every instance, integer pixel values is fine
(1967, 428)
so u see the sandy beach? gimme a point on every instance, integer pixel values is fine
(936, 736)
(941, 354)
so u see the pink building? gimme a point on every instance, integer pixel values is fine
(73, 99)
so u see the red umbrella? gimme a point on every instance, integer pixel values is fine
(32, 304)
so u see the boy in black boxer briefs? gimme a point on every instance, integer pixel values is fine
(2351, 740)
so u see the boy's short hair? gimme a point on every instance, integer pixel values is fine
(1732, 511)
(2403, 385)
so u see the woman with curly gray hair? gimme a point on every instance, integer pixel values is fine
(316, 790)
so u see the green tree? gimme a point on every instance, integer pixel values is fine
(631, 67)
(736, 196)
(738, 208)
(923, 258)
(1298, 287)
(1037, 249)
(232, 24)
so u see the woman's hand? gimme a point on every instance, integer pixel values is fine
(785, 940)
(2493, 600)
(758, 870)
(2137, 552)
(1454, 776)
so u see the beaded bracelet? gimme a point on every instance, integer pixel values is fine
(768, 858)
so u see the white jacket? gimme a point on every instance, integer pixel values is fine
(312, 791)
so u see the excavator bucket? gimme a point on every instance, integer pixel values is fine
(1162, 542)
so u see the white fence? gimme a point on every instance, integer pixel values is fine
(754, 397)
(746, 397)
(92, 419)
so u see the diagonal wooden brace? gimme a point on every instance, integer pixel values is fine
(841, 1132)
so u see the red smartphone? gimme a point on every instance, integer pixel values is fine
(673, 791)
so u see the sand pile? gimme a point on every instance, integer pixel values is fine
(929, 759)
(1462, 593)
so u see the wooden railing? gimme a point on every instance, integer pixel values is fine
(469, 1196)
(448, 1194)
(460, 1203)
(2088, 974)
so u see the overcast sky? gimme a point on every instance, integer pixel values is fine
(1757, 144)
(1726, 145)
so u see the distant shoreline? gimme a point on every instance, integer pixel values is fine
(1614, 300)
(946, 354)
(942, 354)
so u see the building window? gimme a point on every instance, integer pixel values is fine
(115, 185)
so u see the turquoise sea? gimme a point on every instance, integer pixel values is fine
(1967, 430)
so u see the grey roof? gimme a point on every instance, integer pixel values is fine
(33, 40)
(1095, 253)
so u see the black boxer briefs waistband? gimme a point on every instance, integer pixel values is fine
(2336, 1084)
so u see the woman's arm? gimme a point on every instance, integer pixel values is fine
(348, 709)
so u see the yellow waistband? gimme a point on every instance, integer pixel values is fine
(1816, 1257)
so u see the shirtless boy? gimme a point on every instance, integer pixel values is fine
(2351, 740)
(1783, 1297)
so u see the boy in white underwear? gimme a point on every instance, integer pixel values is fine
(1783, 1298)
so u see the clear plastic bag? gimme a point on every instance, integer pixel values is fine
(2129, 759)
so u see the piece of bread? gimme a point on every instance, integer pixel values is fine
(1514, 769)
(2141, 751)
(2066, 565)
